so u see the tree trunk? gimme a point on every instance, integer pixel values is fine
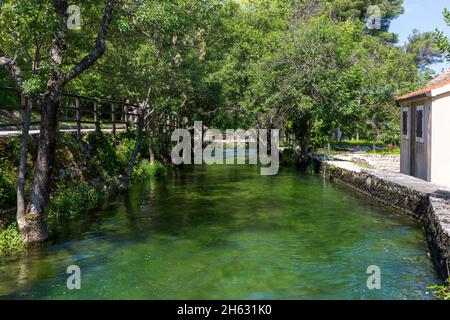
(303, 127)
(137, 144)
(163, 142)
(150, 146)
(27, 105)
(35, 228)
(33, 225)
(304, 159)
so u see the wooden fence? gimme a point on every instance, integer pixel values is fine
(113, 114)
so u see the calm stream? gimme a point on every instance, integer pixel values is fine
(225, 232)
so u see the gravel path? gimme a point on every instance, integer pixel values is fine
(388, 163)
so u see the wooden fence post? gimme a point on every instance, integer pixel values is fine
(126, 109)
(78, 106)
(66, 112)
(113, 118)
(97, 123)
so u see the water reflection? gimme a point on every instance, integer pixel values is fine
(225, 232)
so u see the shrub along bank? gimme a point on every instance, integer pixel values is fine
(85, 172)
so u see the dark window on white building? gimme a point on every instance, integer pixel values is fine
(405, 122)
(419, 123)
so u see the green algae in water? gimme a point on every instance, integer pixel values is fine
(225, 232)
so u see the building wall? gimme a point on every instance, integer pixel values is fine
(404, 143)
(415, 155)
(423, 149)
(440, 152)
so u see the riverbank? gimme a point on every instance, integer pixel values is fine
(86, 172)
(426, 202)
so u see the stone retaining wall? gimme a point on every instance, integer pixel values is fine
(428, 203)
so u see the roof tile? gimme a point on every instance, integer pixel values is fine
(438, 82)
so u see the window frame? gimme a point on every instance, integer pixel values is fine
(420, 139)
(405, 109)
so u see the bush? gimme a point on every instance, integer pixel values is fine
(441, 291)
(105, 151)
(359, 143)
(7, 189)
(125, 150)
(288, 157)
(145, 170)
(386, 152)
(159, 170)
(10, 151)
(10, 240)
(74, 201)
(68, 140)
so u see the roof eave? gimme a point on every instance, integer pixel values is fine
(415, 97)
(439, 91)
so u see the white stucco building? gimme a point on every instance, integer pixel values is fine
(425, 131)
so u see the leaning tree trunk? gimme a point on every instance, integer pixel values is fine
(35, 228)
(27, 105)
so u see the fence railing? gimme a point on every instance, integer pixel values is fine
(81, 110)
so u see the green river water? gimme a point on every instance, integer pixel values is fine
(225, 232)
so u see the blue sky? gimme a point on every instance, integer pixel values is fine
(424, 15)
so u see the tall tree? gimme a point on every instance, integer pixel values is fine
(426, 51)
(441, 38)
(167, 50)
(359, 9)
(36, 28)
